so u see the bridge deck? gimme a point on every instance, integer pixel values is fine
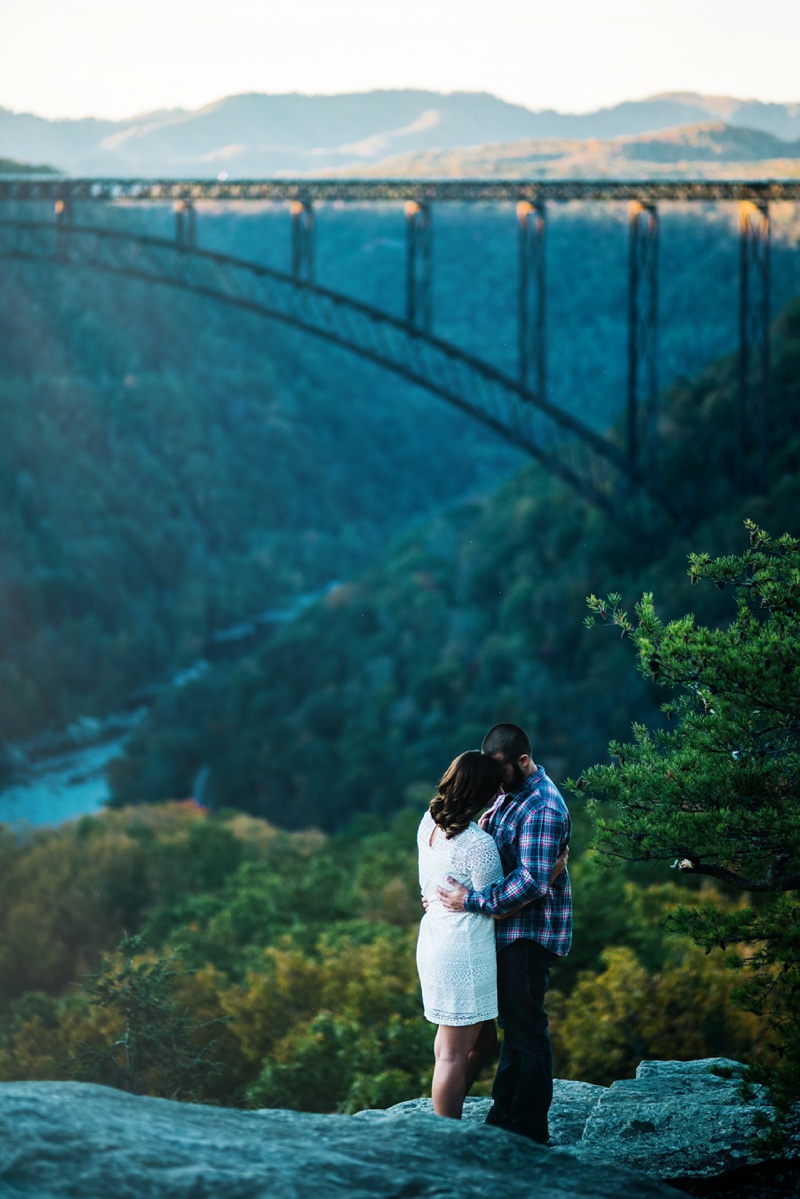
(375, 190)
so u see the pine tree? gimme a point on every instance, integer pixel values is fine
(150, 1044)
(716, 791)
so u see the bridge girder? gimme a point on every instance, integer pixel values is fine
(592, 465)
(302, 240)
(492, 191)
(186, 224)
(642, 411)
(419, 278)
(752, 410)
(531, 223)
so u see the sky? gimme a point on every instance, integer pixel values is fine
(119, 58)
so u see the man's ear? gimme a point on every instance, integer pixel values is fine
(523, 761)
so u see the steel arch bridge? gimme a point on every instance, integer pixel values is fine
(587, 462)
(619, 480)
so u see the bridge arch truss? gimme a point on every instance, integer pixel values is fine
(621, 480)
(590, 464)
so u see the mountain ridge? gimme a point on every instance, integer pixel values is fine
(259, 134)
(708, 148)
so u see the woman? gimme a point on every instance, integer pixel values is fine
(456, 955)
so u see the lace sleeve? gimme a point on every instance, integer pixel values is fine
(483, 863)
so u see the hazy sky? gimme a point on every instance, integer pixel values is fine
(115, 58)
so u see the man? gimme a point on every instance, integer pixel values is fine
(530, 823)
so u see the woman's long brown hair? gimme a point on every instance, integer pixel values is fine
(470, 782)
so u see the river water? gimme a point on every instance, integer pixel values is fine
(62, 787)
(54, 787)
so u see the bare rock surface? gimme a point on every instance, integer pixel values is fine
(573, 1103)
(61, 1140)
(675, 1120)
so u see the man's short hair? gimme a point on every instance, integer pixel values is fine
(507, 739)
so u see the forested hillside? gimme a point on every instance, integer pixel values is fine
(10, 166)
(295, 984)
(473, 617)
(171, 467)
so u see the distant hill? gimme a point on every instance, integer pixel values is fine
(8, 166)
(261, 135)
(710, 148)
(709, 141)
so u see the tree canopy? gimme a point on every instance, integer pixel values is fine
(716, 787)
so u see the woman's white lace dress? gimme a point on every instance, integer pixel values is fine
(456, 955)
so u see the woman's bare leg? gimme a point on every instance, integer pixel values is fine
(451, 1049)
(481, 1052)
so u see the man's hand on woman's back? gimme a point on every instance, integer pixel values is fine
(561, 864)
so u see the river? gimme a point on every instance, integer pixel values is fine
(61, 787)
(57, 785)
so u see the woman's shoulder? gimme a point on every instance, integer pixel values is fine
(472, 835)
(425, 824)
(478, 833)
(479, 840)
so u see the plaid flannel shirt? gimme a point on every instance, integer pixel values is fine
(530, 828)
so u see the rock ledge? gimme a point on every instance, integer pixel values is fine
(674, 1120)
(61, 1140)
(679, 1121)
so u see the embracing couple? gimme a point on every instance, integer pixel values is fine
(498, 914)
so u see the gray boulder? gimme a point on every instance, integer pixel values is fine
(674, 1120)
(61, 1140)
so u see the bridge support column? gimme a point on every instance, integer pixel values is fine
(419, 311)
(65, 219)
(302, 240)
(186, 224)
(642, 412)
(531, 225)
(752, 408)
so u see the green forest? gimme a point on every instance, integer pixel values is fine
(289, 964)
(169, 468)
(476, 612)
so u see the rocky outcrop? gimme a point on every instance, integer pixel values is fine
(60, 1140)
(674, 1120)
(573, 1102)
(678, 1121)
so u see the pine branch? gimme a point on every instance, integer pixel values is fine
(775, 880)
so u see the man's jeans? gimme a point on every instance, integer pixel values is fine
(523, 1086)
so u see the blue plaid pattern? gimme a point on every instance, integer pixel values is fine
(530, 827)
